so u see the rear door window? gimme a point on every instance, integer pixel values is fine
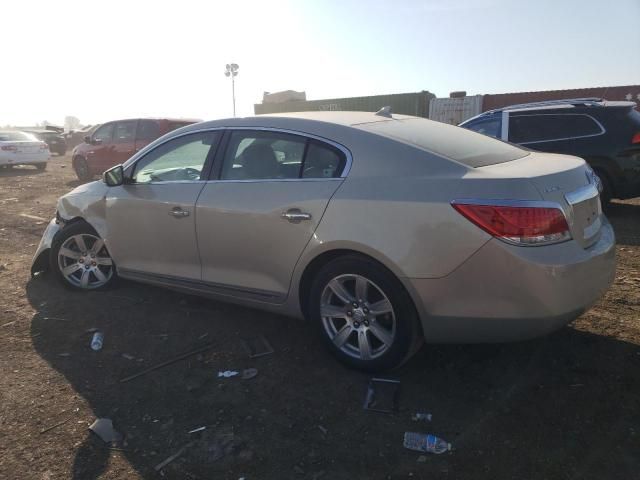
(148, 130)
(262, 155)
(551, 127)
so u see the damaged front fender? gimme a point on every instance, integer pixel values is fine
(40, 260)
(86, 202)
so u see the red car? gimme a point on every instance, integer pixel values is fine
(114, 142)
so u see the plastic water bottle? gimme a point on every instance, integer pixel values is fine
(422, 442)
(96, 341)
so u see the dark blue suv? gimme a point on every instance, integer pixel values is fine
(605, 134)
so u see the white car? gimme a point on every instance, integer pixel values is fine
(20, 148)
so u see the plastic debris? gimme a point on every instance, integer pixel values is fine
(128, 357)
(228, 373)
(199, 429)
(422, 417)
(424, 442)
(96, 341)
(103, 427)
(382, 395)
(322, 429)
(257, 347)
(249, 373)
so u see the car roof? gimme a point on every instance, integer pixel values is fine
(298, 120)
(168, 119)
(557, 106)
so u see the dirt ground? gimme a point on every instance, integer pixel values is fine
(564, 406)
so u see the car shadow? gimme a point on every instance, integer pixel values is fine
(564, 404)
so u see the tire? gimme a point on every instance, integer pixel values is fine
(607, 191)
(41, 166)
(94, 268)
(356, 335)
(81, 168)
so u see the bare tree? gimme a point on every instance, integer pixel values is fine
(71, 123)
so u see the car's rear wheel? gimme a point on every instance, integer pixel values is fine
(80, 258)
(81, 167)
(365, 317)
(41, 166)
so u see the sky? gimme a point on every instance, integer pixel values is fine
(105, 60)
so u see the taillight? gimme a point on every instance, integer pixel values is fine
(520, 225)
(9, 148)
(635, 139)
(44, 146)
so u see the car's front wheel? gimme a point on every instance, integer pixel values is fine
(81, 167)
(80, 258)
(41, 166)
(364, 315)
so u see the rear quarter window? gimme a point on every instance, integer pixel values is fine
(549, 127)
(455, 143)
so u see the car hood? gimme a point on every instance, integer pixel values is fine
(98, 188)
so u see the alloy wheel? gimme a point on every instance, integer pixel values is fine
(84, 261)
(357, 316)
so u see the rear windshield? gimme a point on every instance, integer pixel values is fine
(456, 143)
(16, 137)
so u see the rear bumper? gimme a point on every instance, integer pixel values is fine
(508, 293)
(24, 159)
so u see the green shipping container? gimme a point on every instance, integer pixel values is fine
(416, 104)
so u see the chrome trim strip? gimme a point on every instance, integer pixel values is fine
(582, 194)
(508, 203)
(271, 180)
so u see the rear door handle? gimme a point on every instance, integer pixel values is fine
(295, 215)
(178, 212)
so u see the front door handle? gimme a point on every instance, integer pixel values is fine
(178, 212)
(294, 215)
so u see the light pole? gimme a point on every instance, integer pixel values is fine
(232, 71)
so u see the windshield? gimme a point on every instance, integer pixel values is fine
(459, 144)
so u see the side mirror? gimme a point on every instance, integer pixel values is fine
(87, 139)
(114, 176)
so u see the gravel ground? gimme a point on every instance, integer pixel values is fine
(563, 406)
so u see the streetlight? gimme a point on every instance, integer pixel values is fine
(232, 71)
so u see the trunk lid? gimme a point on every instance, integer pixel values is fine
(565, 180)
(27, 147)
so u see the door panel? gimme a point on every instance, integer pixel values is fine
(98, 155)
(244, 240)
(150, 220)
(146, 233)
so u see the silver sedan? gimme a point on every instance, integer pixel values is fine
(381, 230)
